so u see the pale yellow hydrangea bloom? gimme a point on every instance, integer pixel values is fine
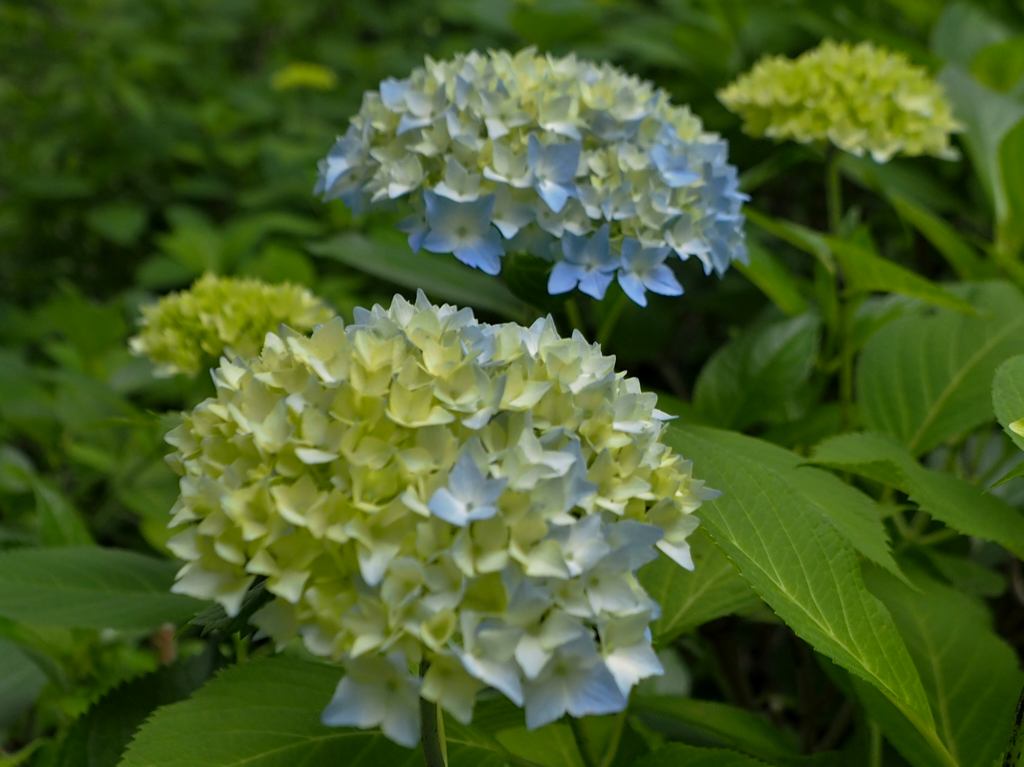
(187, 331)
(862, 98)
(422, 486)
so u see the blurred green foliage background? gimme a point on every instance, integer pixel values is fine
(145, 142)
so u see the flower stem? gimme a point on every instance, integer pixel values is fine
(433, 750)
(611, 319)
(581, 741)
(833, 192)
(431, 732)
(572, 311)
(844, 326)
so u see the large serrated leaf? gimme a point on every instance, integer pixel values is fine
(970, 674)
(801, 566)
(925, 378)
(852, 514)
(265, 713)
(954, 501)
(750, 379)
(98, 738)
(690, 599)
(90, 587)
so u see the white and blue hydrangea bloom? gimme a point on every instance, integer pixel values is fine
(525, 149)
(422, 490)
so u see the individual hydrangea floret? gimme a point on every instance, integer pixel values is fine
(187, 331)
(422, 488)
(500, 152)
(859, 97)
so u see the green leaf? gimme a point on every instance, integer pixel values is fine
(497, 737)
(1008, 396)
(60, 523)
(866, 272)
(773, 279)
(678, 755)
(987, 116)
(119, 222)
(20, 683)
(264, 713)
(925, 378)
(970, 674)
(959, 254)
(1010, 220)
(689, 599)
(963, 29)
(441, 277)
(1015, 752)
(751, 378)
(99, 737)
(800, 237)
(90, 587)
(954, 501)
(800, 565)
(1000, 65)
(967, 575)
(851, 513)
(717, 723)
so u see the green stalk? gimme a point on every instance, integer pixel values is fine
(581, 741)
(430, 727)
(611, 319)
(844, 329)
(575, 316)
(431, 730)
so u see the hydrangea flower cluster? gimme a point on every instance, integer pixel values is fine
(579, 163)
(187, 331)
(420, 487)
(859, 97)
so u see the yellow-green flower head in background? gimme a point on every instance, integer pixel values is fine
(419, 486)
(187, 331)
(859, 97)
(577, 162)
(303, 75)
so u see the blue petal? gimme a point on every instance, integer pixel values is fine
(633, 287)
(573, 247)
(392, 93)
(439, 242)
(564, 277)
(595, 284)
(484, 254)
(561, 161)
(555, 195)
(674, 168)
(661, 280)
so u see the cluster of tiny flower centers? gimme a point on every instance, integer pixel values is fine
(187, 331)
(859, 97)
(421, 487)
(576, 162)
